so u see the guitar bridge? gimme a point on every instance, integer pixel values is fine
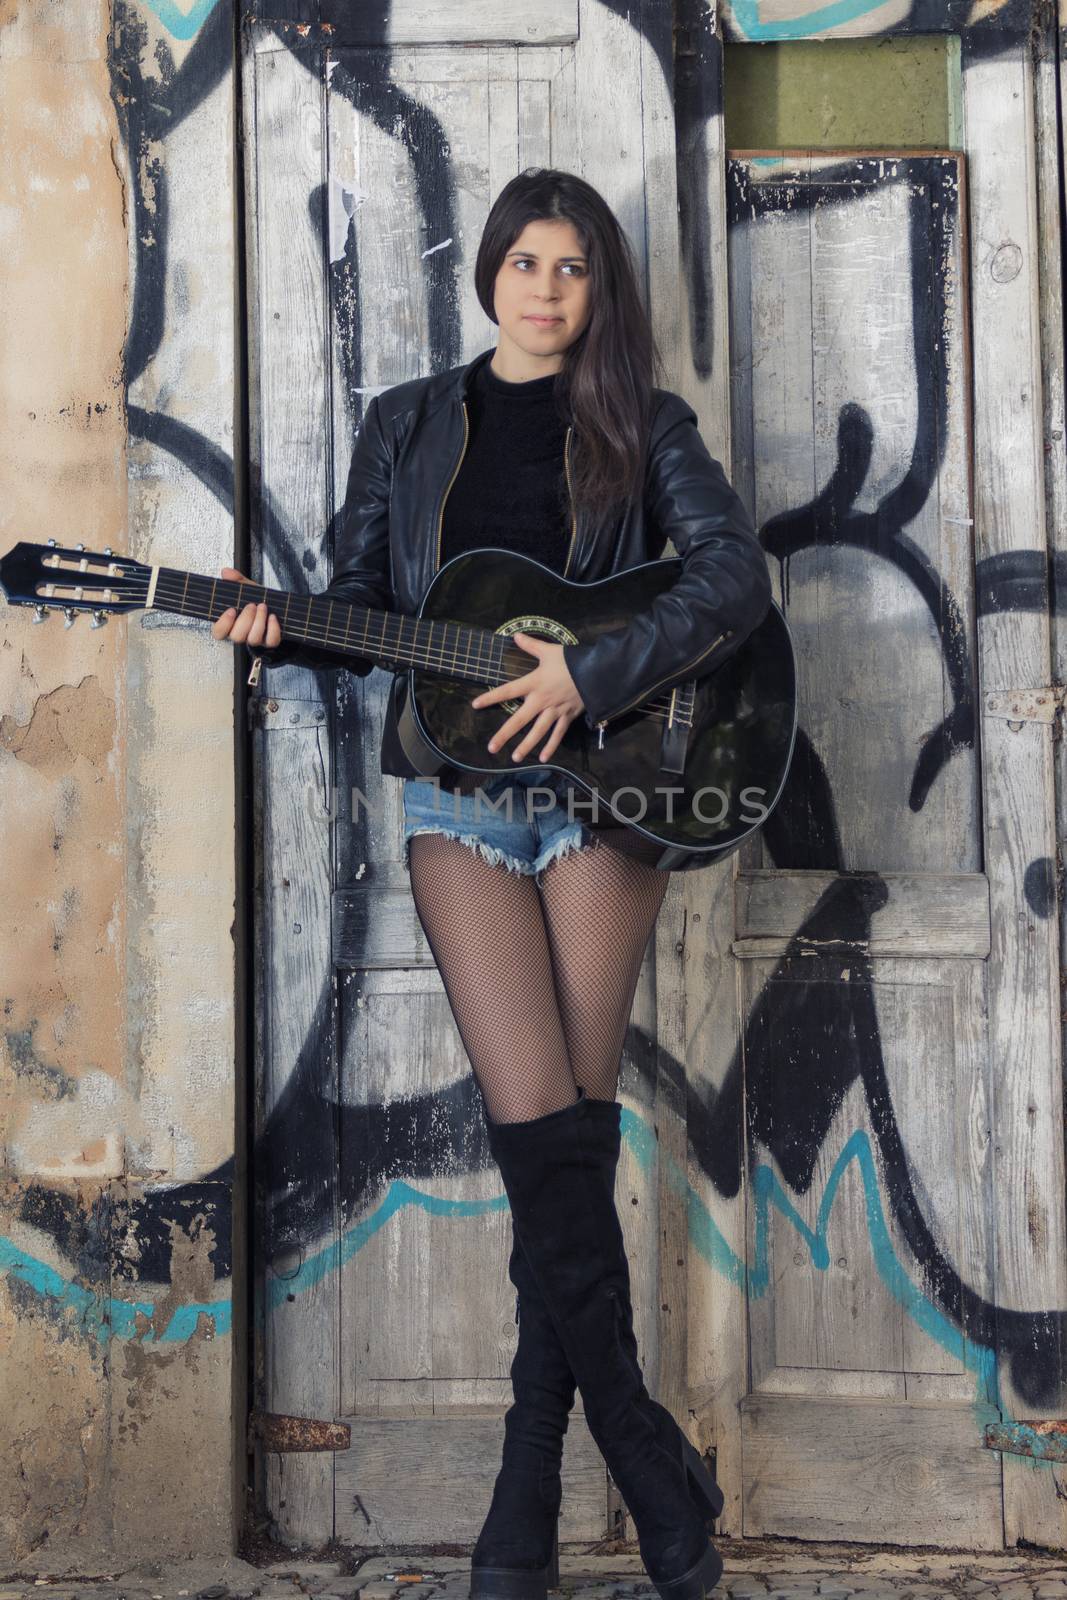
(677, 725)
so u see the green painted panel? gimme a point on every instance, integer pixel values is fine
(899, 92)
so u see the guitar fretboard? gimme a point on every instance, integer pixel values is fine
(453, 649)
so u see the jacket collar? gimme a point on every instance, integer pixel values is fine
(464, 375)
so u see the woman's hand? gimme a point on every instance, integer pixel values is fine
(254, 625)
(549, 696)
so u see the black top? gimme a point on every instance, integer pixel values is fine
(511, 490)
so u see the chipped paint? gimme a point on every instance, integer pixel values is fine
(343, 200)
(116, 783)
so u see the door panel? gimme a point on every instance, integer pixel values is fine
(863, 922)
(373, 162)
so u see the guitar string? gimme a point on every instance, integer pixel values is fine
(440, 658)
(168, 588)
(221, 589)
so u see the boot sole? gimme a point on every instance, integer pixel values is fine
(511, 1583)
(695, 1584)
(517, 1583)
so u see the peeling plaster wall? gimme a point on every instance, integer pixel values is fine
(116, 785)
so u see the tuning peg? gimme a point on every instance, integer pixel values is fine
(40, 613)
(98, 619)
(70, 614)
(107, 550)
(79, 547)
(52, 542)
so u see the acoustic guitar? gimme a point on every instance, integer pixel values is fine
(697, 768)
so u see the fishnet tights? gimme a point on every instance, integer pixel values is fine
(540, 980)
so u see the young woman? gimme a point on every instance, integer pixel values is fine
(557, 444)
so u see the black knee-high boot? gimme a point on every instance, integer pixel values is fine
(516, 1556)
(552, 1168)
(603, 1148)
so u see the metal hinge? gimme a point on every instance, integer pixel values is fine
(278, 1432)
(1042, 1441)
(266, 712)
(1025, 705)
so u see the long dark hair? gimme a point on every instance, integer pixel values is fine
(605, 383)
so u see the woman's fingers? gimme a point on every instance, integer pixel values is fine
(536, 731)
(250, 625)
(562, 724)
(253, 624)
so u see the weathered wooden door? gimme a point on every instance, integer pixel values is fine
(372, 162)
(901, 1238)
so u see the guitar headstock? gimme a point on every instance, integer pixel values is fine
(49, 577)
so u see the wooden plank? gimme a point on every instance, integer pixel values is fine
(863, 1470)
(824, 1382)
(1018, 769)
(375, 923)
(293, 977)
(535, 123)
(472, 64)
(717, 1356)
(932, 1040)
(667, 1249)
(911, 914)
(833, 1311)
(770, 272)
(287, 432)
(429, 1480)
(805, 287)
(430, 1314)
(867, 724)
(843, 1298)
(502, 161)
(429, 22)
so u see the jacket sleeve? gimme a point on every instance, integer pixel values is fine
(361, 573)
(724, 586)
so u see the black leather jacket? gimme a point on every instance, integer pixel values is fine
(406, 456)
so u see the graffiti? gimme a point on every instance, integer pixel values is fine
(831, 1033)
(985, 26)
(179, 23)
(114, 1318)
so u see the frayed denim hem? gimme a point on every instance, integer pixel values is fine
(500, 858)
(563, 846)
(489, 852)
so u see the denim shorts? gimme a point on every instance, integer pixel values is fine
(511, 819)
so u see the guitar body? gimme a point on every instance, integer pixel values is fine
(736, 753)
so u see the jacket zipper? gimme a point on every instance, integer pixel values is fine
(570, 499)
(448, 487)
(618, 712)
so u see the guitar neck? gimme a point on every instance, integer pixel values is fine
(386, 637)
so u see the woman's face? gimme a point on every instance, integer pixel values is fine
(541, 297)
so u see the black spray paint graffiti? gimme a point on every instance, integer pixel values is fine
(827, 1051)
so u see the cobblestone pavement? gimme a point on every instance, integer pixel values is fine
(755, 1570)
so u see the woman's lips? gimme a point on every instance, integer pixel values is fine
(544, 322)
